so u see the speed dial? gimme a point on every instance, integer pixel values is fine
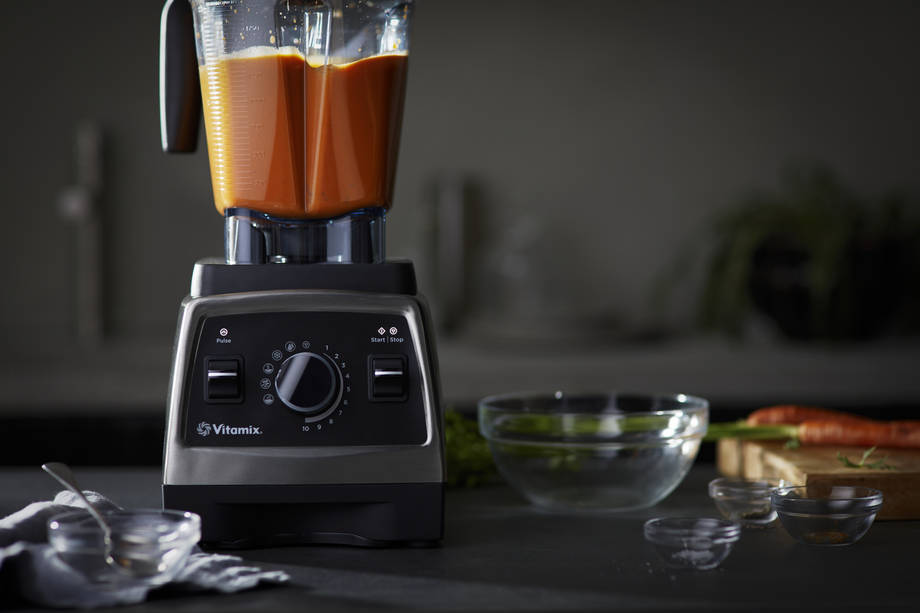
(309, 383)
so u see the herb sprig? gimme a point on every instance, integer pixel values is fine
(863, 463)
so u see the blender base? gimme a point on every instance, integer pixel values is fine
(365, 515)
(304, 407)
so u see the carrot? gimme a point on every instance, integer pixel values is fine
(867, 433)
(818, 426)
(796, 414)
(903, 434)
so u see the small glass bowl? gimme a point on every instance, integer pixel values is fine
(744, 501)
(152, 545)
(593, 452)
(822, 513)
(697, 543)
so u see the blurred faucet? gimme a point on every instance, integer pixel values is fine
(452, 200)
(79, 204)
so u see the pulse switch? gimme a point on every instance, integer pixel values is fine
(223, 379)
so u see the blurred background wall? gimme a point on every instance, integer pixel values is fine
(597, 136)
(610, 130)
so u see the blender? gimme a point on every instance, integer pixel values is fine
(304, 399)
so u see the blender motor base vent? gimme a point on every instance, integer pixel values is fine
(367, 515)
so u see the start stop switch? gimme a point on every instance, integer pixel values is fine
(387, 378)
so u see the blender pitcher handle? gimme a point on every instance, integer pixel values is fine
(180, 94)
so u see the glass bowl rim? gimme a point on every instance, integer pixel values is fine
(690, 404)
(66, 526)
(780, 495)
(666, 528)
(739, 485)
(491, 419)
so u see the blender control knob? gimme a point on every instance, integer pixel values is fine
(309, 383)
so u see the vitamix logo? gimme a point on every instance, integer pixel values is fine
(204, 429)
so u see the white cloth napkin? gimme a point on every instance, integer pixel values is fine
(30, 566)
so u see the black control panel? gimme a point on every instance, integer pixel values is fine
(304, 378)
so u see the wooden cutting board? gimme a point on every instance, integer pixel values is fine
(771, 460)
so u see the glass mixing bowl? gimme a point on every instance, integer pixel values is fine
(152, 545)
(593, 452)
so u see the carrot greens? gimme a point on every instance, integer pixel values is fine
(741, 429)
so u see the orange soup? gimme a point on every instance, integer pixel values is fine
(297, 140)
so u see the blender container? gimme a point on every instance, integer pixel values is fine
(302, 104)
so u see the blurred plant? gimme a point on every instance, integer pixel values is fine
(469, 461)
(817, 260)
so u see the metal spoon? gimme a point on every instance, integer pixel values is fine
(64, 475)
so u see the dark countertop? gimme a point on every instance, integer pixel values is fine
(501, 554)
